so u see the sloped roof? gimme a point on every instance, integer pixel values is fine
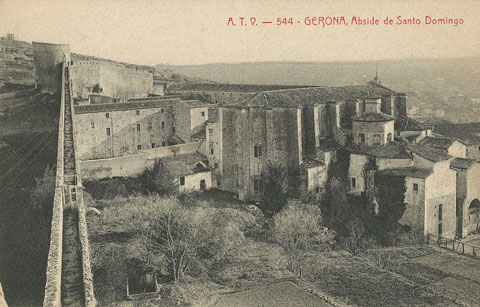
(219, 87)
(183, 165)
(429, 153)
(328, 144)
(124, 106)
(315, 95)
(309, 162)
(437, 142)
(373, 117)
(406, 172)
(409, 124)
(468, 132)
(462, 163)
(392, 150)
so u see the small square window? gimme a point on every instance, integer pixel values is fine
(415, 187)
(137, 112)
(107, 115)
(139, 147)
(182, 180)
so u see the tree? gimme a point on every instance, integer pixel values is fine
(275, 189)
(41, 199)
(158, 179)
(97, 89)
(176, 234)
(297, 228)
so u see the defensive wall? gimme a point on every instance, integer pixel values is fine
(115, 80)
(53, 285)
(132, 165)
(47, 62)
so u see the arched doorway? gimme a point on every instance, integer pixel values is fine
(474, 216)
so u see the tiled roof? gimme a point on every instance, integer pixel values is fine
(125, 106)
(462, 163)
(437, 142)
(183, 165)
(328, 144)
(314, 95)
(409, 124)
(392, 150)
(134, 105)
(309, 162)
(406, 172)
(468, 132)
(218, 87)
(432, 121)
(373, 117)
(429, 153)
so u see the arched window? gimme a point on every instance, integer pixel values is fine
(376, 139)
(361, 138)
(389, 137)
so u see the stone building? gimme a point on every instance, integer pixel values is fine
(89, 77)
(117, 129)
(468, 195)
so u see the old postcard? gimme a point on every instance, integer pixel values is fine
(239, 153)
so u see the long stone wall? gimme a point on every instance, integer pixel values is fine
(132, 165)
(53, 283)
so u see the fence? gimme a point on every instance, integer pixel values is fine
(454, 245)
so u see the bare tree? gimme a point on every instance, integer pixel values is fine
(297, 228)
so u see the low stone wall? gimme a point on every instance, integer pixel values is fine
(87, 271)
(132, 165)
(54, 265)
(53, 283)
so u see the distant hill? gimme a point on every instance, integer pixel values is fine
(410, 75)
(16, 65)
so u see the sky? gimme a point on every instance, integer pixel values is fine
(197, 32)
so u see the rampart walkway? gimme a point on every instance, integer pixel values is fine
(69, 277)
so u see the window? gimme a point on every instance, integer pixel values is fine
(354, 182)
(92, 124)
(108, 131)
(440, 209)
(153, 145)
(173, 129)
(317, 190)
(162, 111)
(376, 139)
(257, 151)
(361, 138)
(173, 116)
(163, 144)
(138, 127)
(389, 137)
(139, 147)
(203, 114)
(107, 115)
(182, 180)
(137, 112)
(210, 132)
(211, 151)
(257, 185)
(216, 164)
(415, 187)
(163, 125)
